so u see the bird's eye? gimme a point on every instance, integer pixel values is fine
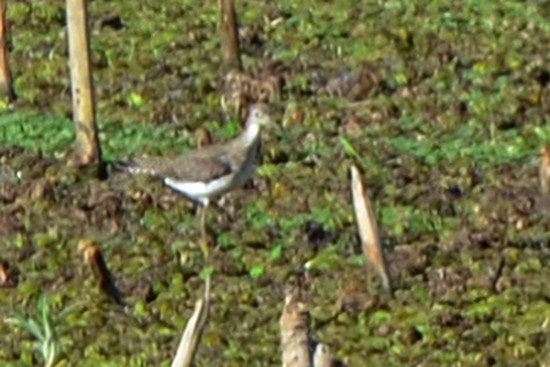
(257, 114)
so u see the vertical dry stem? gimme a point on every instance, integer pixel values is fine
(190, 339)
(368, 230)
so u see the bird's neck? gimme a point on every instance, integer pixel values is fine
(250, 135)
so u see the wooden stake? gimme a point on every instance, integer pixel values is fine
(295, 332)
(6, 87)
(231, 58)
(87, 142)
(298, 348)
(94, 258)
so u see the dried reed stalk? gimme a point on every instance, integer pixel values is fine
(190, 338)
(368, 230)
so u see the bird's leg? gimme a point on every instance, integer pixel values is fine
(204, 241)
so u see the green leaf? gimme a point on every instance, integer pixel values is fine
(135, 99)
(207, 272)
(140, 309)
(277, 252)
(348, 147)
(325, 260)
(380, 316)
(256, 271)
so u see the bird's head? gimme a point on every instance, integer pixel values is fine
(258, 114)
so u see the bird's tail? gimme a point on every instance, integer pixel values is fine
(133, 167)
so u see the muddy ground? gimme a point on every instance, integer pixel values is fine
(442, 105)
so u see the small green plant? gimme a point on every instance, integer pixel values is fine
(44, 329)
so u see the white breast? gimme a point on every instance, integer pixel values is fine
(201, 190)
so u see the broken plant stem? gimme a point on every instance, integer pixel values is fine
(368, 230)
(193, 331)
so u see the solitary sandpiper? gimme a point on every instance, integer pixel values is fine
(210, 171)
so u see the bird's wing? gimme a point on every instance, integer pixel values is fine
(191, 167)
(200, 168)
